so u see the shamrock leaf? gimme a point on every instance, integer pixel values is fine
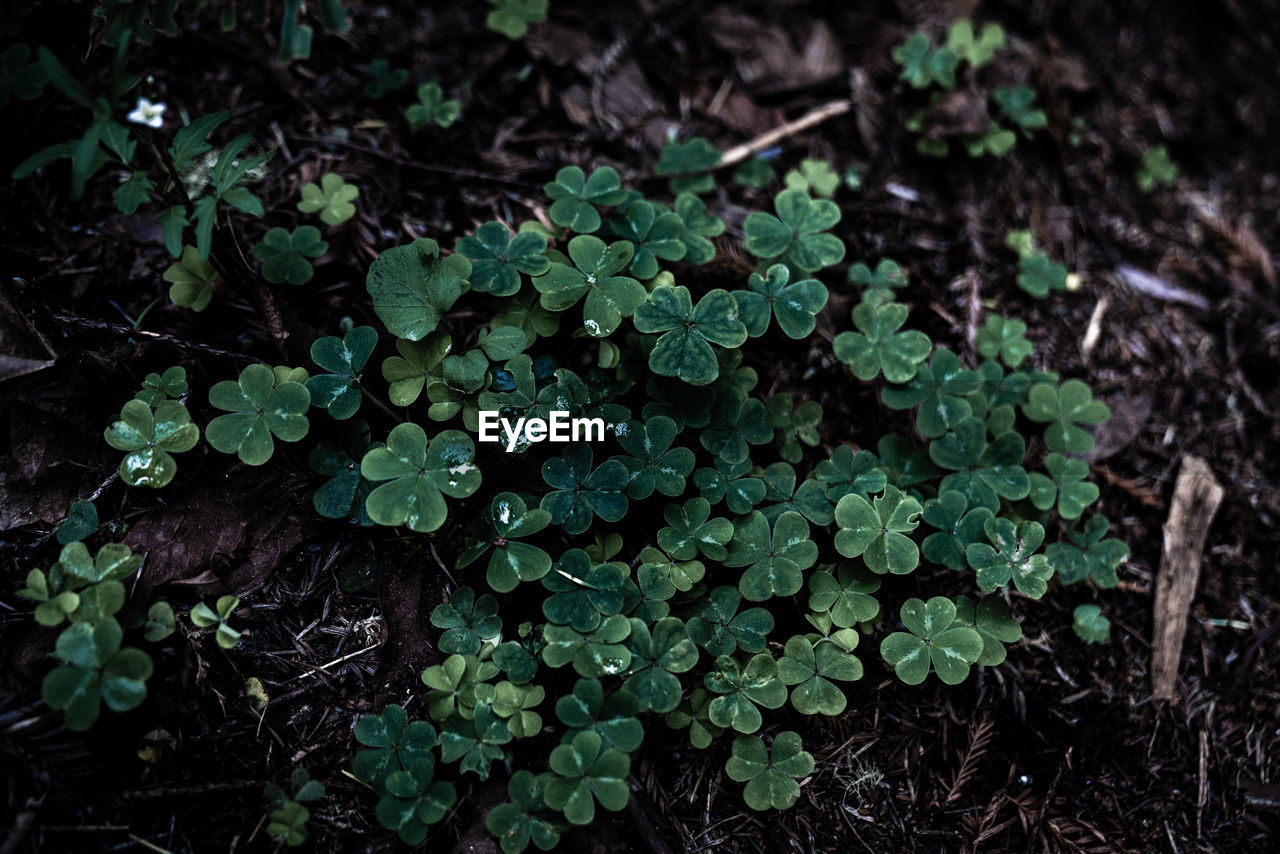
(523, 819)
(332, 199)
(498, 258)
(598, 653)
(1003, 337)
(755, 174)
(933, 639)
(775, 561)
(1090, 625)
(468, 621)
(81, 522)
(958, 526)
(575, 197)
(684, 350)
(412, 287)
(587, 771)
(1065, 484)
(416, 474)
(259, 409)
(408, 372)
(1156, 169)
(810, 672)
(157, 388)
(609, 297)
(849, 472)
(613, 719)
(984, 473)
(770, 295)
(742, 689)
(455, 683)
(385, 79)
(657, 654)
(846, 594)
(737, 422)
(796, 235)
(513, 703)
(343, 496)
(653, 233)
(1088, 555)
(698, 227)
(1064, 408)
(216, 618)
(681, 574)
(512, 18)
(1017, 104)
(939, 389)
(582, 594)
(976, 49)
(95, 670)
(1011, 555)
(112, 562)
(879, 346)
(791, 428)
(432, 108)
(516, 661)
(1037, 275)
(770, 773)
(151, 438)
(415, 800)
(690, 530)
(877, 531)
(924, 64)
(814, 176)
(339, 390)
(719, 629)
(993, 624)
(474, 744)
(579, 494)
(509, 518)
(192, 280)
(731, 483)
(288, 823)
(887, 275)
(284, 254)
(653, 463)
(392, 742)
(808, 499)
(684, 159)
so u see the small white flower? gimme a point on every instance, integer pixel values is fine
(147, 113)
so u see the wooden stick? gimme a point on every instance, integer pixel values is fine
(1196, 497)
(739, 153)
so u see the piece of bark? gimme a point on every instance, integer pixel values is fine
(1196, 497)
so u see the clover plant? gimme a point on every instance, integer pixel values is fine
(331, 199)
(1156, 169)
(432, 109)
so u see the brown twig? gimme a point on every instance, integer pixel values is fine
(122, 329)
(979, 738)
(814, 117)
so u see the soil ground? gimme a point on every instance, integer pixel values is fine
(1061, 748)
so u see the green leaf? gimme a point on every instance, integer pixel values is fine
(769, 772)
(1064, 485)
(731, 483)
(1064, 409)
(795, 305)
(192, 280)
(850, 472)
(845, 594)
(877, 531)
(933, 640)
(1003, 337)
(796, 236)
(190, 142)
(809, 671)
(412, 287)
(775, 560)
(924, 64)
(813, 175)
(432, 108)
(992, 622)
(657, 654)
(343, 496)
(498, 258)
(887, 275)
(879, 346)
(653, 233)
(684, 350)
(807, 499)
(81, 522)
(983, 472)
(1017, 105)
(151, 438)
(416, 474)
(698, 227)
(691, 531)
(1156, 169)
(284, 254)
(259, 409)
(512, 18)
(609, 297)
(938, 389)
(524, 818)
(687, 158)
(332, 199)
(468, 621)
(1037, 275)
(587, 772)
(512, 562)
(133, 193)
(755, 174)
(1090, 625)
(976, 49)
(575, 197)
(20, 78)
(741, 690)
(958, 525)
(339, 391)
(579, 493)
(172, 222)
(652, 462)
(583, 594)
(1088, 555)
(1011, 555)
